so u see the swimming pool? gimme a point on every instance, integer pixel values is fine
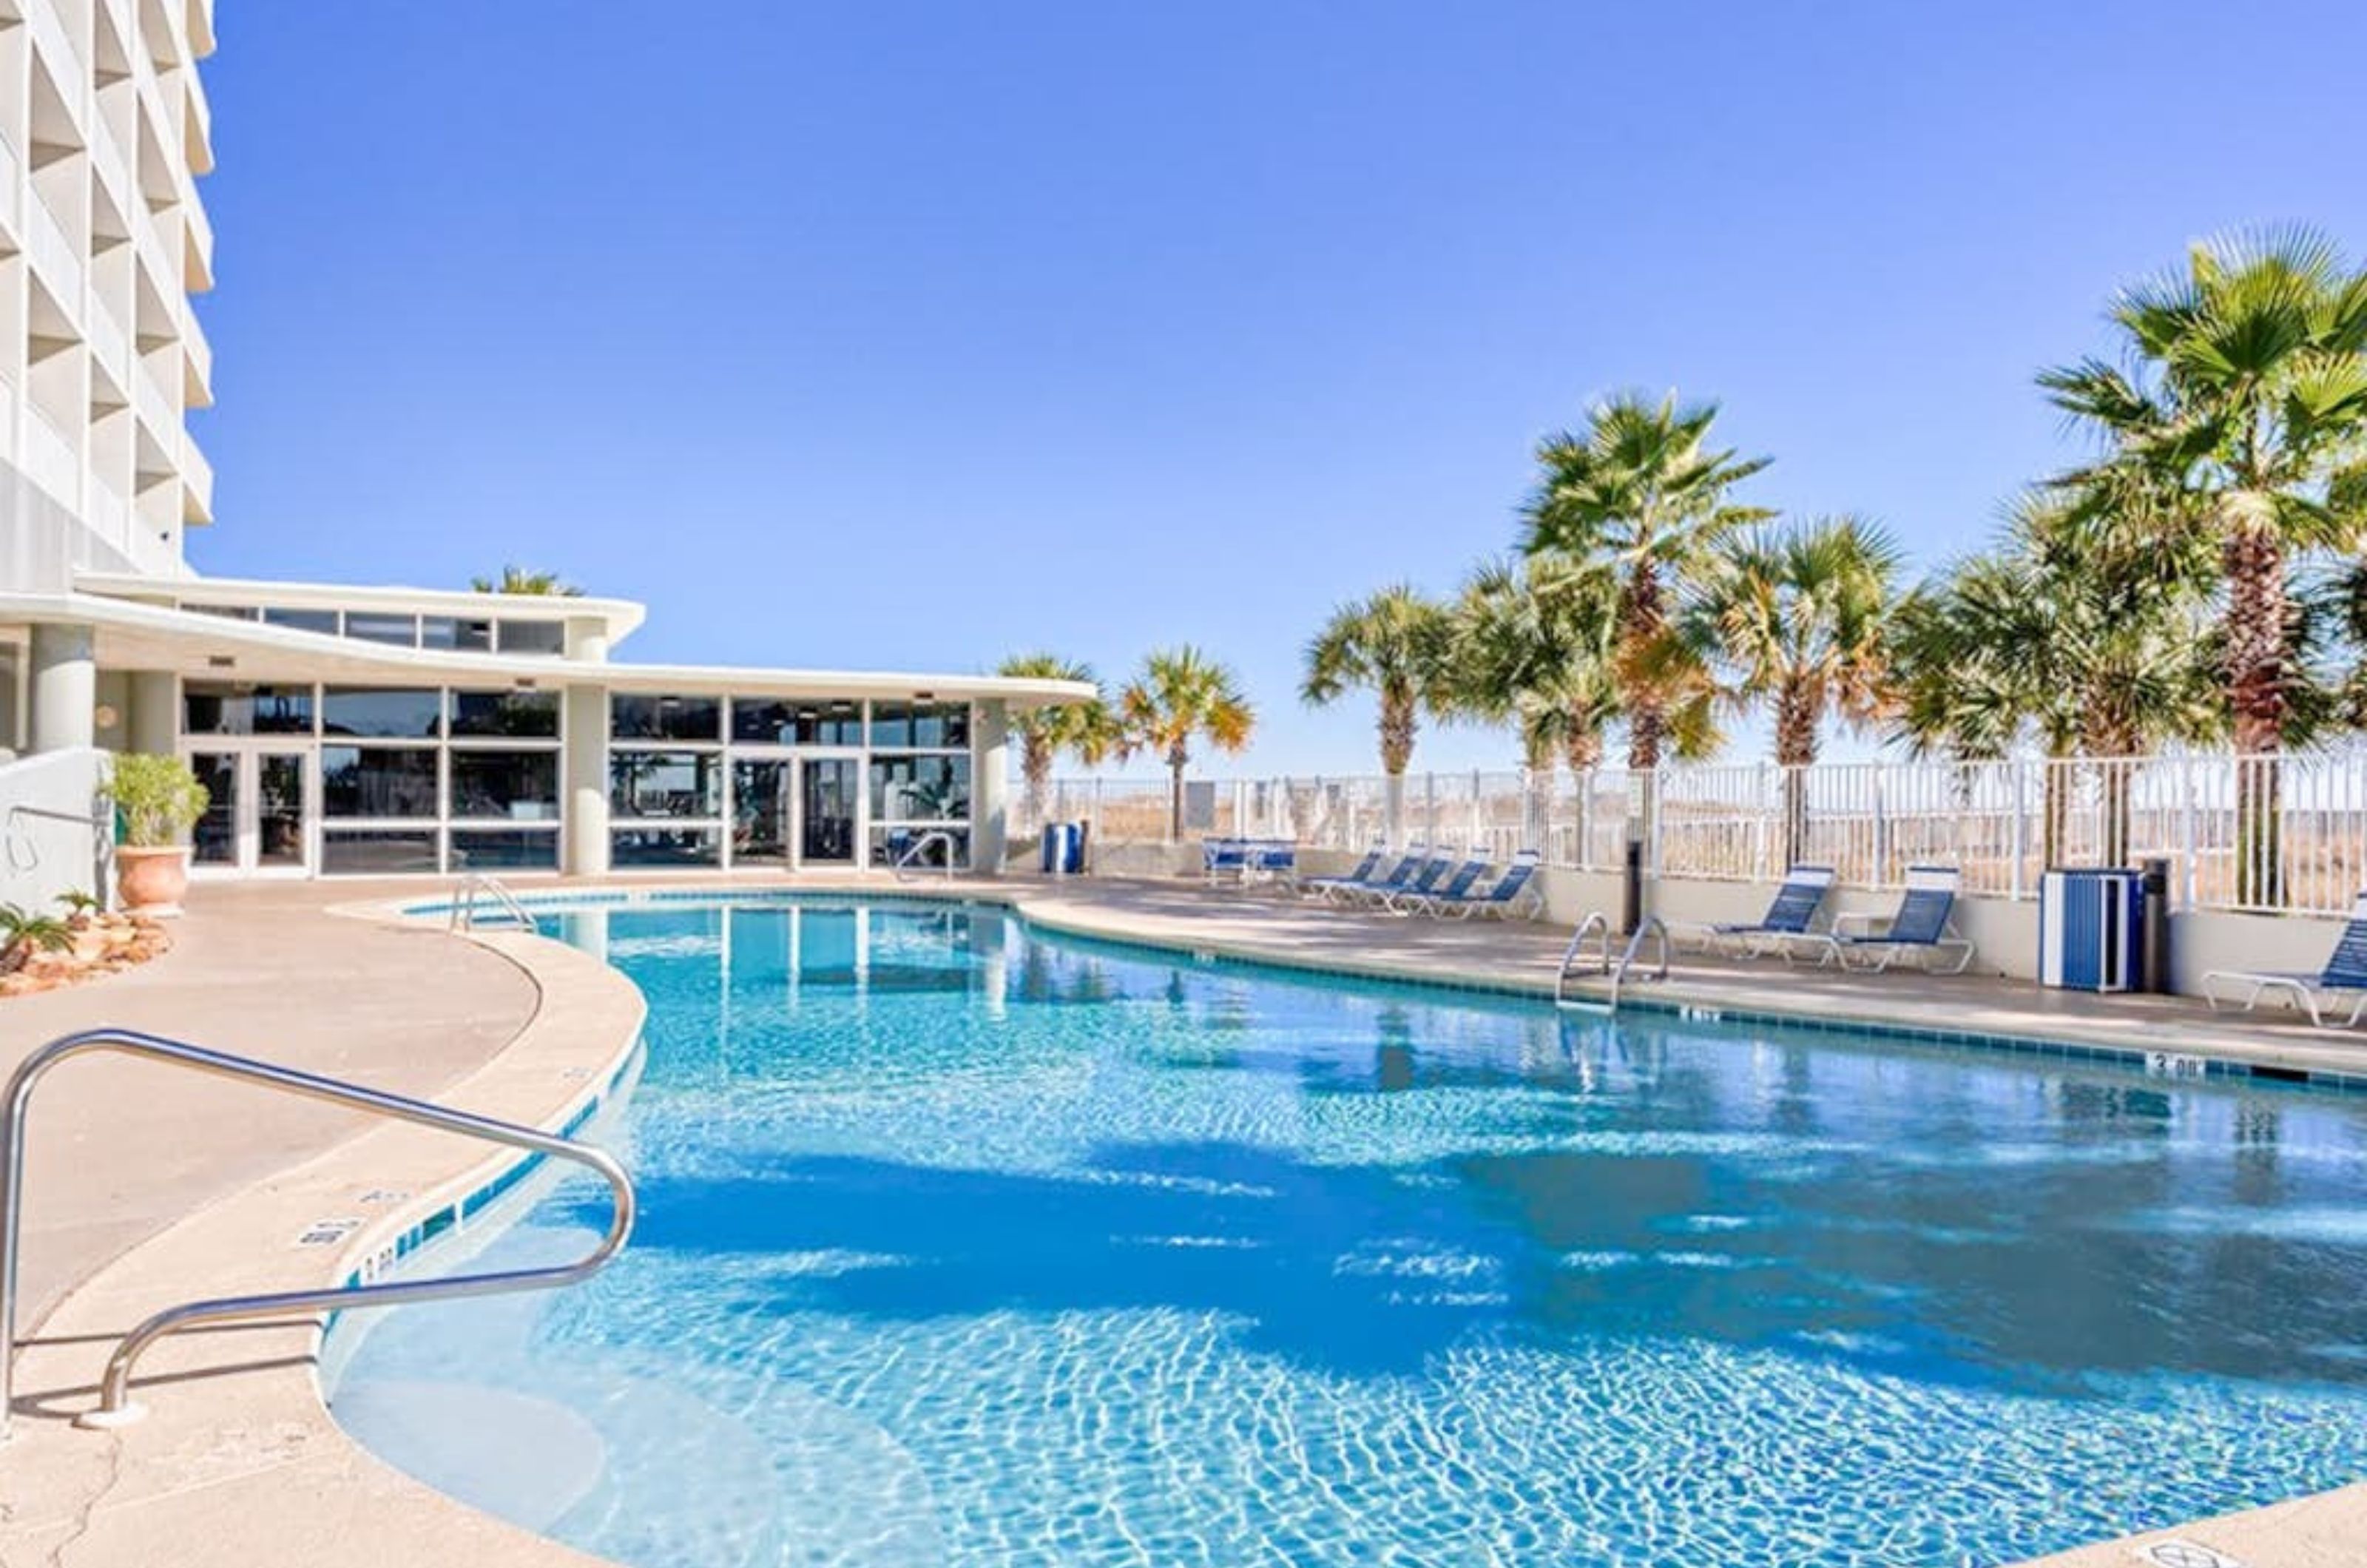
(966, 1245)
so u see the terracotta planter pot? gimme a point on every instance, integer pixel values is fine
(150, 881)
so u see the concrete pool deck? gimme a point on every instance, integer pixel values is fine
(147, 1186)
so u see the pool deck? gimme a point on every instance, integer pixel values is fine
(147, 1186)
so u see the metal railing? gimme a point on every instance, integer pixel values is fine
(1651, 926)
(2254, 833)
(1596, 924)
(115, 1403)
(464, 915)
(908, 861)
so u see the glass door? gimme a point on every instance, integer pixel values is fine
(215, 840)
(259, 810)
(762, 807)
(830, 795)
(282, 812)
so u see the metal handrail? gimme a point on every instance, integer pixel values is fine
(463, 916)
(1651, 925)
(1596, 923)
(913, 851)
(115, 1406)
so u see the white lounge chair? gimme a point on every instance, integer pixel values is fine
(2345, 974)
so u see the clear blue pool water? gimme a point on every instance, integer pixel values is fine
(966, 1246)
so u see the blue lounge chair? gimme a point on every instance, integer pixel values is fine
(1321, 887)
(1516, 889)
(1922, 927)
(2345, 974)
(1271, 858)
(1418, 895)
(1219, 856)
(1433, 867)
(1791, 913)
(1407, 868)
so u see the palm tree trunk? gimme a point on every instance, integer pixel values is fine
(1397, 727)
(1176, 759)
(1035, 766)
(1795, 752)
(2256, 606)
(1641, 620)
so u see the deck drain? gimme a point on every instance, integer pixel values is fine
(384, 1195)
(2184, 1555)
(327, 1233)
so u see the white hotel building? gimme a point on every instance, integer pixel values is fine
(351, 730)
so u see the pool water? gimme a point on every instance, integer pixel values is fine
(966, 1245)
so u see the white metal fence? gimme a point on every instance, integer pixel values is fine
(2239, 833)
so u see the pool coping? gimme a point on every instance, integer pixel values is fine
(254, 1463)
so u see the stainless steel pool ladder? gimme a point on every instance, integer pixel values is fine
(905, 862)
(115, 1407)
(1598, 924)
(464, 914)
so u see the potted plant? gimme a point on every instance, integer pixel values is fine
(158, 800)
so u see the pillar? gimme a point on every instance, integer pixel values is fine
(584, 722)
(66, 688)
(990, 786)
(587, 640)
(155, 724)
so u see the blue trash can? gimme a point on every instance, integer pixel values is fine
(2091, 929)
(1064, 849)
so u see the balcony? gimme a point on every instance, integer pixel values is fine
(108, 514)
(68, 68)
(55, 262)
(109, 349)
(196, 484)
(110, 164)
(157, 410)
(196, 247)
(198, 129)
(12, 167)
(197, 365)
(49, 459)
(148, 241)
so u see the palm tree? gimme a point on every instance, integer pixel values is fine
(1180, 695)
(1799, 615)
(2244, 403)
(1641, 491)
(518, 580)
(1087, 730)
(1400, 645)
(2075, 632)
(1532, 648)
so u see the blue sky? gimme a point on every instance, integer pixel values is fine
(907, 335)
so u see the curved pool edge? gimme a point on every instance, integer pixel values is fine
(239, 1460)
(254, 1468)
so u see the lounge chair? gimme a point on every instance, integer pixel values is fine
(1219, 856)
(1433, 867)
(1270, 858)
(1517, 888)
(1363, 879)
(2345, 974)
(1923, 926)
(1325, 886)
(1791, 913)
(1416, 895)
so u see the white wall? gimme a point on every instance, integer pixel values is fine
(41, 858)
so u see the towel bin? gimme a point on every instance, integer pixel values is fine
(2091, 931)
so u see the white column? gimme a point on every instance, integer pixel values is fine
(155, 725)
(66, 688)
(990, 786)
(585, 721)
